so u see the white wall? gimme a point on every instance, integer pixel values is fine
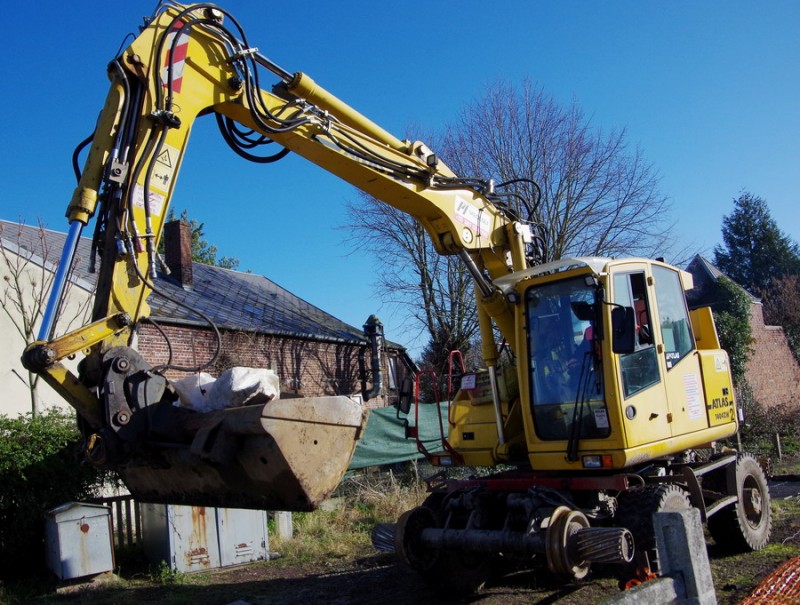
(16, 396)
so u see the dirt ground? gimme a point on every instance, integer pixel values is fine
(371, 580)
(377, 578)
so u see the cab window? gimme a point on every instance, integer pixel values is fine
(565, 376)
(673, 316)
(639, 368)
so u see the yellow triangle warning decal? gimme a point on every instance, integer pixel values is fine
(163, 158)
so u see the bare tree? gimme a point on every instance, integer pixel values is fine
(596, 196)
(28, 273)
(782, 308)
(436, 291)
(584, 191)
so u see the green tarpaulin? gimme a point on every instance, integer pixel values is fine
(384, 440)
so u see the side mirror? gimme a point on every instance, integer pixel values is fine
(406, 396)
(623, 328)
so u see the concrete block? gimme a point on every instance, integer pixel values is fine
(683, 562)
(683, 556)
(654, 592)
(283, 525)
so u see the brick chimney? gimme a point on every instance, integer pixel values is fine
(178, 251)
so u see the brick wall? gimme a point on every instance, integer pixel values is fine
(772, 371)
(306, 368)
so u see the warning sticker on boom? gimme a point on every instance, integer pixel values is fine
(156, 200)
(164, 168)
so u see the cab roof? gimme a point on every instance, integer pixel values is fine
(597, 264)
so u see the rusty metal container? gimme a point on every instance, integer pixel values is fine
(198, 538)
(79, 540)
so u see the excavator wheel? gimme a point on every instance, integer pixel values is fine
(636, 509)
(562, 560)
(746, 524)
(407, 544)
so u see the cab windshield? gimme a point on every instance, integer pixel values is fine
(565, 377)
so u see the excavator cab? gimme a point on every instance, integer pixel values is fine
(612, 371)
(564, 364)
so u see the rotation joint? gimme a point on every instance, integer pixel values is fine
(166, 118)
(121, 365)
(38, 358)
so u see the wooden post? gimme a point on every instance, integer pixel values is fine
(776, 446)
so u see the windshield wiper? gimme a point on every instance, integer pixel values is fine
(587, 369)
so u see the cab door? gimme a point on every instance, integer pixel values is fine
(683, 377)
(640, 386)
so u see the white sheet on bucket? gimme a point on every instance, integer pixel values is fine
(235, 387)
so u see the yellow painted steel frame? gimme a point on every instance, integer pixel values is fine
(456, 219)
(663, 402)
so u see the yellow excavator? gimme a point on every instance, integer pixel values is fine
(589, 426)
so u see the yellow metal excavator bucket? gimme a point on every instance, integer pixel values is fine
(287, 454)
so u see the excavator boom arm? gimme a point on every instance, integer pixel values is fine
(186, 63)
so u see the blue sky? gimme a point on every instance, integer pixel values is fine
(709, 90)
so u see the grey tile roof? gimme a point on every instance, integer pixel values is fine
(700, 262)
(44, 247)
(703, 272)
(247, 301)
(233, 300)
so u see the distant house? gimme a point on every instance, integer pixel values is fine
(772, 371)
(27, 263)
(261, 325)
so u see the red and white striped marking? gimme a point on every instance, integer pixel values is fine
(178, 58)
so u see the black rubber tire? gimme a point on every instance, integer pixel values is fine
(636, 509)
(747, 524)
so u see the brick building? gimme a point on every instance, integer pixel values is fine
(260, 325)
(772, 371)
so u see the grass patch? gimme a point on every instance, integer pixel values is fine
(340, 529)
(788, 465)
(737, 575)
(786, 517)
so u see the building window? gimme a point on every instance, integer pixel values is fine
(392, 362)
